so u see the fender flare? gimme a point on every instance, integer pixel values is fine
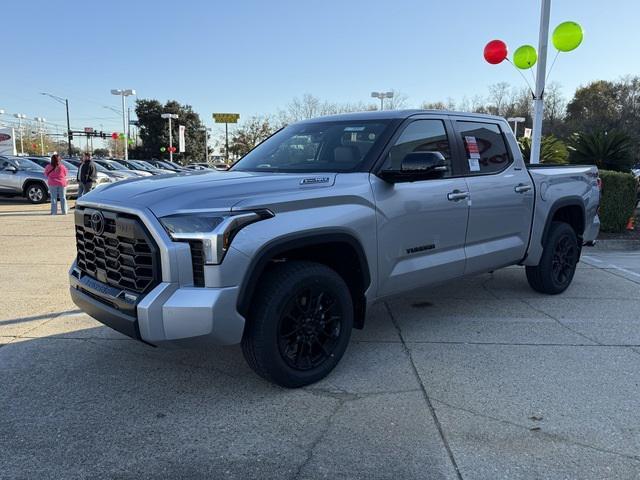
(289, 242)
(572, 201)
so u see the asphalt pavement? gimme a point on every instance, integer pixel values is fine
(479, 379)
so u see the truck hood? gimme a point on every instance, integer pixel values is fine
(169, 194)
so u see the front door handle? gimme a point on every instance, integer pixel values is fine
(522, 188)
(457, 195)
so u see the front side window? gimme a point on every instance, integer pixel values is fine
(485, 149)
(315, 147)
(421, 136)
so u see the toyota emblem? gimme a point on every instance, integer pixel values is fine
(97, 222)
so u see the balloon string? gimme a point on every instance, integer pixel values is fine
(523, 77)
(552, 64)
(533, 78)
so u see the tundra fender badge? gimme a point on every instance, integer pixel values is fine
(314, 180)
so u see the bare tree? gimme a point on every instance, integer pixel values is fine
(397, 102)
(555, 104)
(498, 97)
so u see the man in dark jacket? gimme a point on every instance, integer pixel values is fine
(87, 175)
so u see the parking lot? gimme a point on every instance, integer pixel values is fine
(479, 379)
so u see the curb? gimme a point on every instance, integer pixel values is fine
(617, 244)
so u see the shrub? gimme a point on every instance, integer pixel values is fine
(608, 150)
(618, 201)
(552, 150)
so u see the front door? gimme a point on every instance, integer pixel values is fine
(421, 224)
(501, 193)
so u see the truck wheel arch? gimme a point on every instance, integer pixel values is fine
(569, 210)
(308, 246)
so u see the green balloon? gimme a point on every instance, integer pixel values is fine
(121, 136)
(162, 149)
(525, 57)
(567, 36)
(130, 141)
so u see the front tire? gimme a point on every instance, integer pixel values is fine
(300, 324)
(558, 263)
(36, 193)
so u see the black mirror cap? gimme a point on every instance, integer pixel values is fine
(417, 166)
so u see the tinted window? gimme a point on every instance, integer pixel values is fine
(320, 147)
(420, 136)
(485, 149)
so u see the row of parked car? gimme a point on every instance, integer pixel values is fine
(24, 176)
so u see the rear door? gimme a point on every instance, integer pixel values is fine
(501, 195)
(421, 224)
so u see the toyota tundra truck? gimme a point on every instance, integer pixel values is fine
(286, 252)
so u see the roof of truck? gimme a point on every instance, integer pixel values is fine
(394, 114)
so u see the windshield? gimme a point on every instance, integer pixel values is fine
(173, 164)
(69, 165)
(142, 163)
(315, 147)
(104, 165)
(166, 165)
(116, 165)
(26, 164)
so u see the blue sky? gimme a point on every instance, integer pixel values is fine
(253, 57)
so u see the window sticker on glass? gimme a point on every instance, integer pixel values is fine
(472, 147)
(354, 129)
(474, 165)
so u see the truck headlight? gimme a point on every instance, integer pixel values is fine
(215, 230)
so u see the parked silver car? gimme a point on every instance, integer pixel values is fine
(22, 177)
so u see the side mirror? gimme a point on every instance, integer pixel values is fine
(10, 169)
(417, 166)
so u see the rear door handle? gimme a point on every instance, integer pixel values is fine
(457, 195)
(522, 188)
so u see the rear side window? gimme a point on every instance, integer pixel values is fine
(420, 136)
(485, 149)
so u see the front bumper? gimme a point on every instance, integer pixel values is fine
(167, 314)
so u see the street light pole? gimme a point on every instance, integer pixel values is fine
(541, 73)
(41, 121)
(170, 116)
(382, 96)
(65, 102)
(20, 116)
(515, 121)
(124, 93)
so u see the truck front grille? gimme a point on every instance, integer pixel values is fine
(115, 248)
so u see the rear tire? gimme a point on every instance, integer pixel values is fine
(36, 193)
(558, 263)
(300, 324)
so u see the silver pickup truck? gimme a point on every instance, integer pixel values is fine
(285, 252)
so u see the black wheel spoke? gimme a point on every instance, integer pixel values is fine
(309, 328)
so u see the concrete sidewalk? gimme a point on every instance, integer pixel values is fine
(479, 379)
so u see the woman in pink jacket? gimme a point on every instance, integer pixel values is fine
(56, 174)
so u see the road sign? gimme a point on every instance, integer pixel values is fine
(226, 117)
(88, 130)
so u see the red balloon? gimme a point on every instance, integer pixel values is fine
(114, 135)
(495, 51)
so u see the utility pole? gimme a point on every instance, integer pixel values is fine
(170, 116)
(541, 73)
(65, 102)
